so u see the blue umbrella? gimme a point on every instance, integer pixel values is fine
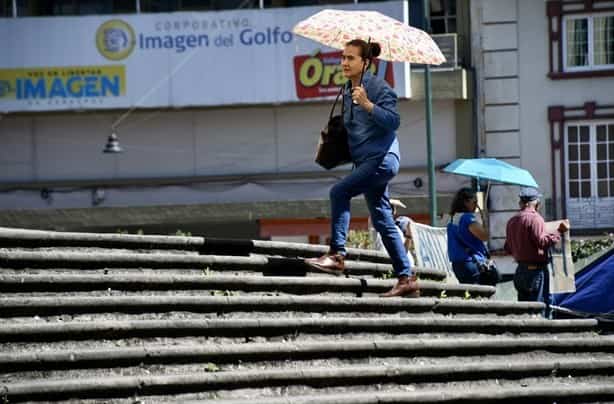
(492, 170)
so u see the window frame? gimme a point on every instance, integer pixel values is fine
(590, 39)
(446, 18)
(591, 210)
(557, 11)
(593, 157)
(560, 117)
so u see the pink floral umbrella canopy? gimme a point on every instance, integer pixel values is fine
(399, 42)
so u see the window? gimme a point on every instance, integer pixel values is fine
(579, 161)
(590, 174)
(203, 5)
(605, 160)
(443, 16)
(296, 3)
(581, 38)
(163, 6)
(158, 6)
(26, 8)
(6, 8)
(588, 42)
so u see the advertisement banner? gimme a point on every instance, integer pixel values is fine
(87, 82)
(173, 60)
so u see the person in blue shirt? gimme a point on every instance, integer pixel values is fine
(466, 237)
(371, 119)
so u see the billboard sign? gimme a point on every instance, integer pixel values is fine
(319, 75)
(173, 60)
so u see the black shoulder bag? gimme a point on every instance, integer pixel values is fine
(333, 149)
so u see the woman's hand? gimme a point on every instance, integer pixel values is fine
(359, 96)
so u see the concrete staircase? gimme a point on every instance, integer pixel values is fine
(125, 318)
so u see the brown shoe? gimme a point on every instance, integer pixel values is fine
(331, 263)
(406, 286)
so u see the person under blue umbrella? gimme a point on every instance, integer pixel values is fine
(466, 238)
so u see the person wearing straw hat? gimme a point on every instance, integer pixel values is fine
(403, 227)
(371, 118)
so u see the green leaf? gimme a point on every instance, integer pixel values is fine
(211, 367)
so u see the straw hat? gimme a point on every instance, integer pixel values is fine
(397, 203)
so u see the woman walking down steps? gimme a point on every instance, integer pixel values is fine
(371, 119)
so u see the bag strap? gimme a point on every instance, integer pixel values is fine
(467, 247)
(340, 94)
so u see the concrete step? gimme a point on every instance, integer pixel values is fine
(54, 282)
(11, 258)
(249, 327)
(84, 321)
(489, 391)
(10, 237)
(58, 305)
(195, 366)
(280, 352)
(143, 385)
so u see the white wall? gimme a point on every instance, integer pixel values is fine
(511, 54)
(210, 142)
(538, 92)
(412, 133)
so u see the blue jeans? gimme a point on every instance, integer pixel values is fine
(466, 272)
(371, 179)
(533, 285)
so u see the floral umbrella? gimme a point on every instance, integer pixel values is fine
(399, 42)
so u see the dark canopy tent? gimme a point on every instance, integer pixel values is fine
(594, 296)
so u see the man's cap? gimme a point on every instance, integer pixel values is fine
(529, 194)
(397, 203)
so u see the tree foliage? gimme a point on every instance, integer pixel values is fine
(359, 239)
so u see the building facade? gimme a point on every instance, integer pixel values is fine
(545, 74)
(216, 113)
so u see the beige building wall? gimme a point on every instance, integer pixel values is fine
(194, 156)
(511, 57)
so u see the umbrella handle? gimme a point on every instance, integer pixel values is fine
(362, 73)
(368, 64)
(486, 218)
(564, 254)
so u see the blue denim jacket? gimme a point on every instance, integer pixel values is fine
(372, 135)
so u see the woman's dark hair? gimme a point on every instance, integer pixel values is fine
(458, 203)
(368, 50)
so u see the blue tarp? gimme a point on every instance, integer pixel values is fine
(594, 294)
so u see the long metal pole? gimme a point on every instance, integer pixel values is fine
(429, 123)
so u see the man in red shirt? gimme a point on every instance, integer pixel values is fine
(528, 242)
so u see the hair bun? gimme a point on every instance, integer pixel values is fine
(375, 49)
